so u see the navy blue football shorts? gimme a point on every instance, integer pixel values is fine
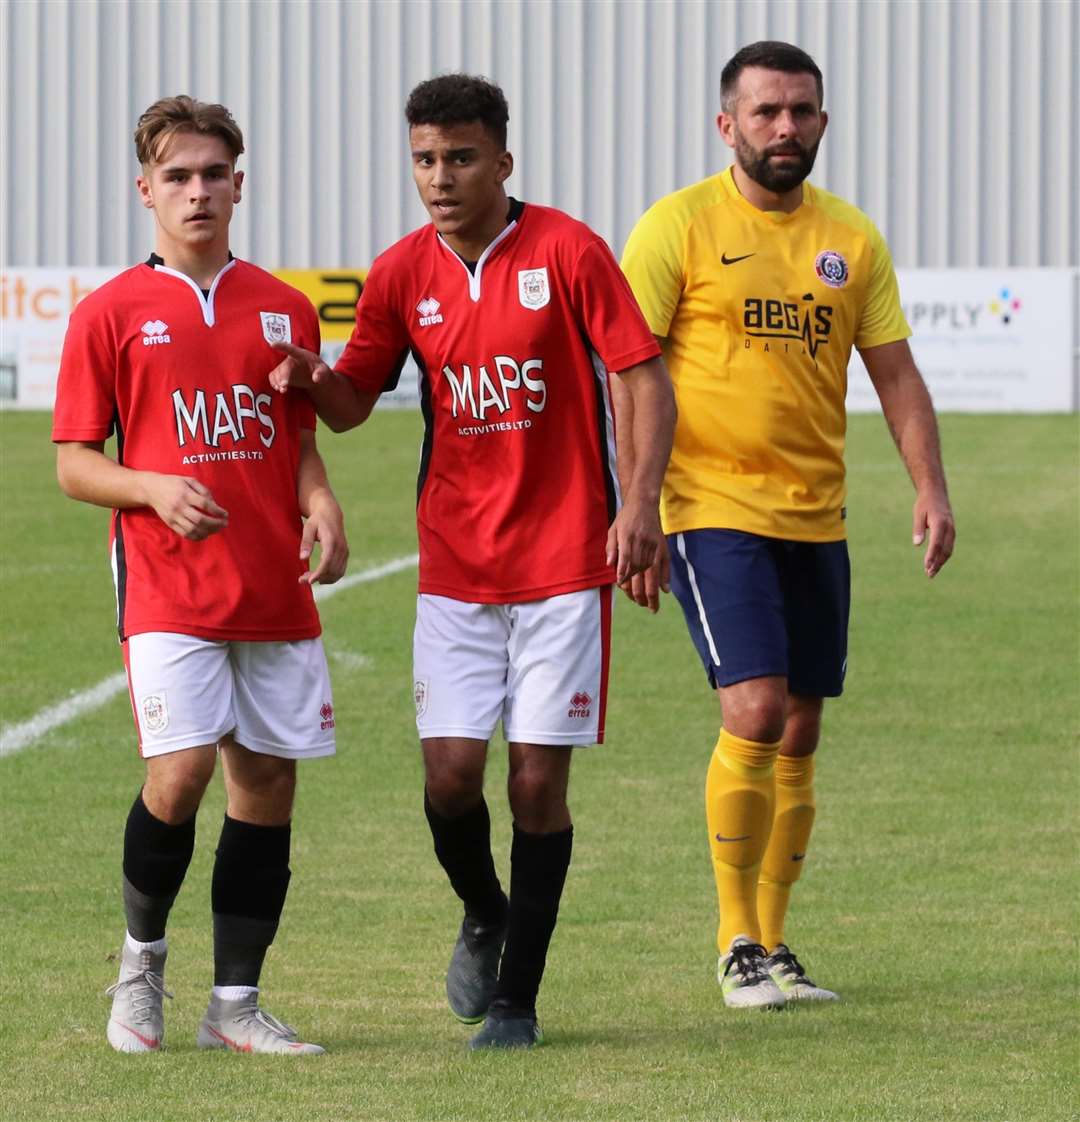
(760, 606)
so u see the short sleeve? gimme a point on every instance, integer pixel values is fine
(882, 319)
(653, 263)
(310, 338)
(373, 357)
(605, 306)
(86, 384)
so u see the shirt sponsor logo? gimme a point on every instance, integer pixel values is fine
(154, 332)
(831, 268)
(533, 289)
(476, 393)
(326, 712)
(580, 705)
(808, 324)
(276, 327)
(231, 409)
(429, 311)
(155, 712)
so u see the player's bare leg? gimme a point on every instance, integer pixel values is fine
(739, 798)
(788, 843)
(461, 832)
(251, 879)
(539, 859)
(158, 843)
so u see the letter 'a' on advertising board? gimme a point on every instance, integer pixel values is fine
(987, 340)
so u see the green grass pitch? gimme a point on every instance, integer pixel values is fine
(940, 894)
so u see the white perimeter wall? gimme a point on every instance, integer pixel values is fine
(954, 123)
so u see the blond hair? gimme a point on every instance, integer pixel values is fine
(171, 115)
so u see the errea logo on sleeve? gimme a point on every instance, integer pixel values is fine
(154, 331)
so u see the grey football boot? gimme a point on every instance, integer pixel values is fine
(137, 1019)
(241, 1026)
(506, 1027)
(474, 968)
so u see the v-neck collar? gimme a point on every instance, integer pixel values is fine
(206, 302)
(514, 219)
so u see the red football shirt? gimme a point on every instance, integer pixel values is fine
(517, 481)
(183, 379)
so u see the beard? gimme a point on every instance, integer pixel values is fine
(776, 178)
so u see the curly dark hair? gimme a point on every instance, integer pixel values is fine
(769, 54)
(459, 99)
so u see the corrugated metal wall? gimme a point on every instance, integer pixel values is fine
(954, 123)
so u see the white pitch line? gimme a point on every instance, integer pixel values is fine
(14, 738)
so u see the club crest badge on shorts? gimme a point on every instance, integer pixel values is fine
(155, 712)
(277, 327)
(534, 291)
(420, 695)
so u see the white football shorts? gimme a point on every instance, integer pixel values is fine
(273, 697)
(541, 667)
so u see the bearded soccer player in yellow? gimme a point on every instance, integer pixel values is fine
(758, 285)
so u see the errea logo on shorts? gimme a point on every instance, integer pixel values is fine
(579, 705)
(326, 712)
(154, 332)
(429, 311)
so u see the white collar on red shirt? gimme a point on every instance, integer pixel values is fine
(205, 297)
(476, 269)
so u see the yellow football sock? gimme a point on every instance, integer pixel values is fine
(783, 863)
(739, 810)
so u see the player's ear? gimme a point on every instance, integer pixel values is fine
(238, 182)
(505, 167)
(824, 122)
(726, 124)
(146, 194)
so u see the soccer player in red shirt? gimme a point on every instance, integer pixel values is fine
(514, 314)
(218, 495)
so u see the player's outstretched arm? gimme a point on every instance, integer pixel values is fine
(645, 423)
(909, 412)
(184, 504)
(324, 521)
(338, 402)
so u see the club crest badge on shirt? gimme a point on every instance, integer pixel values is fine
(277, 328)
(831, 268)
(533, 289)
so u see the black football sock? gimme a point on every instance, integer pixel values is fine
(463, 847)
(156, 858)
(538, 864)
(251, 878)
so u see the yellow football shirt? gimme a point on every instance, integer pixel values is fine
(758, 312)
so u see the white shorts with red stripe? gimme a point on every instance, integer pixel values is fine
(273, 697)
(541, 667)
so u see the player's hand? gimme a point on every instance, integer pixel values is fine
(325, 525)
(185, 505)
(299, 368)
(633, 539)
(932, 521)
(645, 588)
